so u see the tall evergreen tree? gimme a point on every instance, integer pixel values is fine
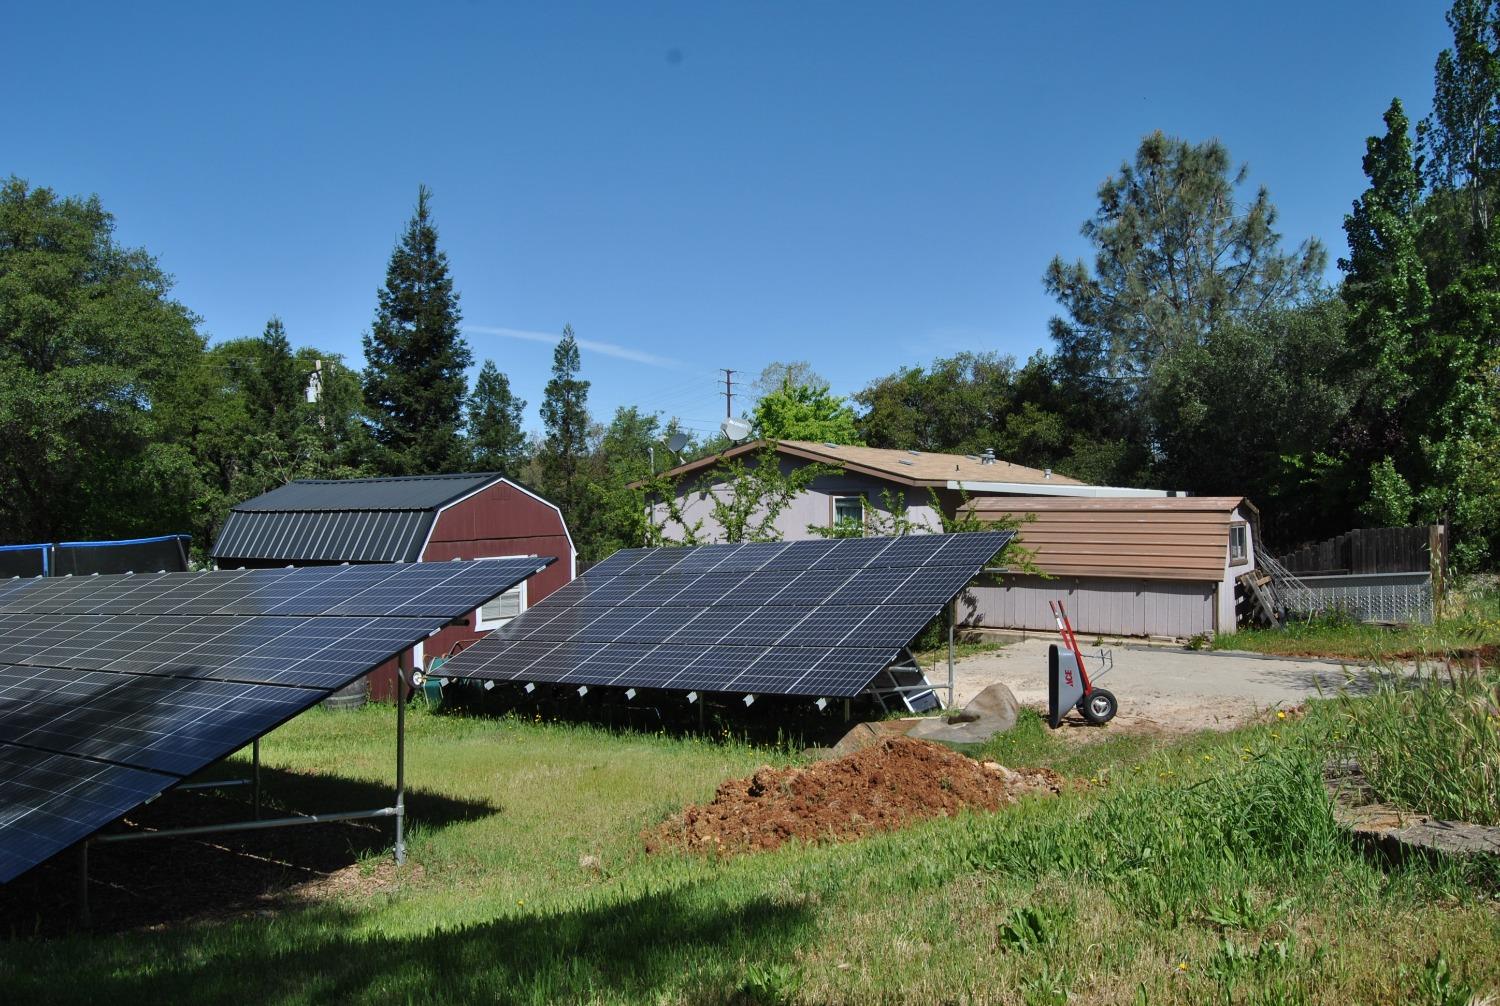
(1454, 418)
(497, 441)
(1175, 257)
(416, 356)
(274, 384)
(1385, 286)
(565, 424)
(1461, 138)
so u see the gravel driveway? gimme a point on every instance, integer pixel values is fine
(1160, 687)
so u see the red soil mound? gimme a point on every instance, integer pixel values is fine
(880, 788)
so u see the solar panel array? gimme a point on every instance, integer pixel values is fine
(114, 688)
(816, 618)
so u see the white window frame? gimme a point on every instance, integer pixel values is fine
(833, 507)
(482, 625)
(1243, 528)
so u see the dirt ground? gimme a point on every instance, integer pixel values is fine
(880, 788)
(1160, 688)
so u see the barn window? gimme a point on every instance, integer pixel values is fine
(1239, 544)
(848, 510)
(503, 608)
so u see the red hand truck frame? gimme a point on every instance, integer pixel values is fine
(1097, 705)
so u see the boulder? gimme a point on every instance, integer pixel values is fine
(990, 712)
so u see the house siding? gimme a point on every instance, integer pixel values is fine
(814, 506)
(1095, 605)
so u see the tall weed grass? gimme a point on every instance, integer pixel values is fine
(1171, 852)
(1429, 743)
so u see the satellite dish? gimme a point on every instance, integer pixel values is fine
(677, 442)
(735, 429)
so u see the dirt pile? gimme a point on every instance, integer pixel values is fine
(880, 788)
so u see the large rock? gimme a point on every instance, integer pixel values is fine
(990, 712)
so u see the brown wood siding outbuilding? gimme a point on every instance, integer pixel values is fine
(1126, 567)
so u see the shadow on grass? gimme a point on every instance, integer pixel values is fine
(780, 721)
(681, 940)
(169, 880)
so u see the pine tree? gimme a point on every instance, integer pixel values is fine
(565, 421)
(416, 356)
(497, 441)
(274, 385)
(1177, 254)
(1385, 282)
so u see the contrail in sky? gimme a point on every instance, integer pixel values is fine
(592, 345)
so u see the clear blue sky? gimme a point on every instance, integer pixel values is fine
(693, 185)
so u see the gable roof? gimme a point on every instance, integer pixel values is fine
(404, 492)
(1177, 538)
(912, 468)
(343, 520)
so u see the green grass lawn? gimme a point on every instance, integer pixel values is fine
(1206, 870)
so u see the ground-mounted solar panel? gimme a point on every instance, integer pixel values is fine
(817, 618)
(115, 688)
(48, 801)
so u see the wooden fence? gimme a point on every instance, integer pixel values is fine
(1373, 550)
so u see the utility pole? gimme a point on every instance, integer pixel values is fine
(728, 392)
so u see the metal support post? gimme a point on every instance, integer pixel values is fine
(402, 670)
(224, 829)
(84, 919)
(952, 620)
(255, 777)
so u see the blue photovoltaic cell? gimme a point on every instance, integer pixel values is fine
(436, 589)
(114, 688)
(48, 801)
(174, 725)
(798, 618)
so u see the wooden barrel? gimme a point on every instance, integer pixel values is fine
(351, 696)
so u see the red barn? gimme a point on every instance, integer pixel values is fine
(418, 518)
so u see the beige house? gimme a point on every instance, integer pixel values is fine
(866, 475)
(1138, 562)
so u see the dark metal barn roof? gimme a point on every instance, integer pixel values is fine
(343, 520)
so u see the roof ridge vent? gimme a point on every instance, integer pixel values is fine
(827, 444)
(905, 461)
